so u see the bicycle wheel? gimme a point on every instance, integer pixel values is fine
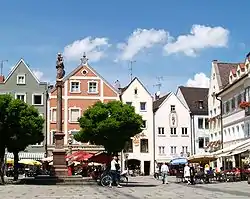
(106, 180)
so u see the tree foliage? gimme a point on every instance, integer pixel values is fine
(20, 126)
(110, 125)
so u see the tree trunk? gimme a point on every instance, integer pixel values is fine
(16, 159)
(2, 165)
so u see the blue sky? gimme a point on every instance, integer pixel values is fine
(37, 30)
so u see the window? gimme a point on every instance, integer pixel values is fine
(74, 87)
(20, 79)
(184, 149)
(74, 115)
(53, 140)
(238, 72)
(247, 94)
(206, 123)
(206, 141)
(239, 99)
(215, 111)
(129, 103)
(144, 124)
(200, 102)
(37, 99)
(172, 108)
(173, 149)
(201, 142)
(72, 134)
(129, 146)
(173, 131)
(93, 87)
(161, 131)
(21, 96)
(143, 106)
(136, 91)
(227, 106)
(233, 103)
(184, 131)
(53, 115)
(161, 149)
(144, 145)
(200, 123)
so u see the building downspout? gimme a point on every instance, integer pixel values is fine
(154, 140)
(191, 132)
(46, 124)
(194, 133)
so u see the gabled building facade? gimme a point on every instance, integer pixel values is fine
(140, 152)
(83, 87)
(22, 84)
(218, 80)
(196, 100)
(235, 97)
(172, 128)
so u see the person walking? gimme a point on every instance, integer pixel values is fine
(187, 174)
(192, 174)
(113, 172)
(164, 172)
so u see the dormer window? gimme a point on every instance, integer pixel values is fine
(238, 73)
(200, 103)
(136, 91)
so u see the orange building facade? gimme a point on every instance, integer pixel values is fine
(82, 88)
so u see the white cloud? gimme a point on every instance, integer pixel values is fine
(200, 80)
(141, 39)
(93, 47)
(40, 75)
(200, 37)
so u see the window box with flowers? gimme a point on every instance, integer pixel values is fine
(244, 105)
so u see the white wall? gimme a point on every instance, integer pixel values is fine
(200, 133)
(162, 119)
(214, 105)
(142, 96)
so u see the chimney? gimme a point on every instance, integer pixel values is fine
(2, 79)
(157, 95)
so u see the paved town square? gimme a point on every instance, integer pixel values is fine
(140, 187)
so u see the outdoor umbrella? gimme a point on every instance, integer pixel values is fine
(178, 161)
(10, 161)
(29, 162)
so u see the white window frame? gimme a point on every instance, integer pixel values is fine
(16, 94)
(184, 131)
(17, 79)
(74, 108)
(79, 89)
(173, 150)
(74, 142)
(161, 150)
(37, 144)
(173, 131)
(145, 106)
(37, 94)
(97, 84)
(51, 114)
(51, 137)
(161, 131)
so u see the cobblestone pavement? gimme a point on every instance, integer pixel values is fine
(138, 188)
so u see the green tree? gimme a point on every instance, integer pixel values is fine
(110, 125)
(4, 131)
(26, 127)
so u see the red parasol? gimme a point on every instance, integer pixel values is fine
(79, 156)
(103, 158)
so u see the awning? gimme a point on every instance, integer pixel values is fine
(233, 153)
(27, 155)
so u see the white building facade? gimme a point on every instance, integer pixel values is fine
(236, 114)
(196, 101)
(140, 153)
(172, 128)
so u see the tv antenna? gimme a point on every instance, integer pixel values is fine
(131, 69)
(159, 84)
(2, 62)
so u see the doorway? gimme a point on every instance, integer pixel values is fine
(146, 168)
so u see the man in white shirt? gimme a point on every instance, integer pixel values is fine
(114, 171)
(187, 173)
(164, 172)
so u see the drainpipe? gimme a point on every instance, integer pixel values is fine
(194, 133)
(154, 140)
(191, 134)
(46, 124)
(221, 121)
